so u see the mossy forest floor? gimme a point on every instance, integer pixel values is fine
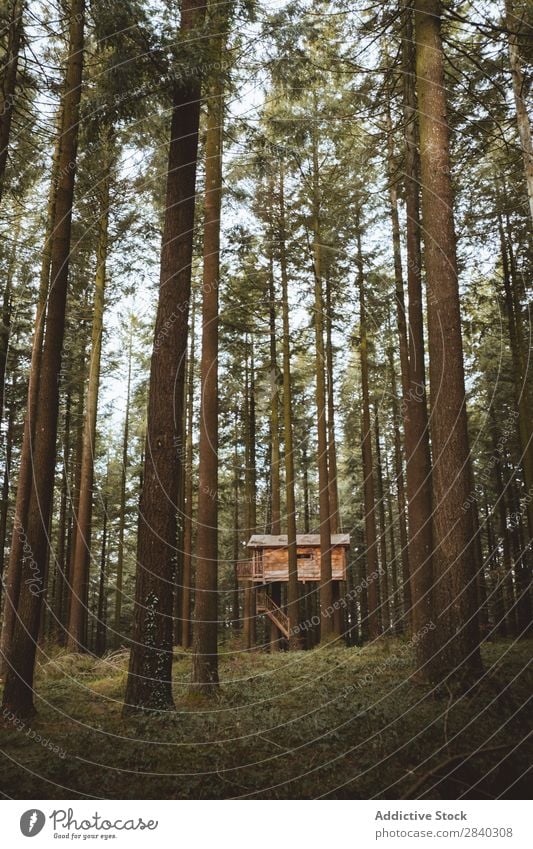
(334, 723)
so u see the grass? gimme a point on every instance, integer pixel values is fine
(334, 722)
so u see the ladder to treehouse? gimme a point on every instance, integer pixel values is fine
(265, 604)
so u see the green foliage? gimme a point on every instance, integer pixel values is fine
(335, 723)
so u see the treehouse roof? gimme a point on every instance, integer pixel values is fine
(303, 540)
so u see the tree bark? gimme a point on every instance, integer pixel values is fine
(384, 576)
(332, 446)
(456, 635)
(177, 600)
(402, 614)
(122, 507)
(101, 630)
(9, 83)
(510, 587)
(505, 573)
(414, 402)
(372, 566)
(4, 348)
(497, 606)
(187, 526)
(520, 381)
(150, 671)
(361, 575)
(235, 612)
(326, 585)
(5, 326)
(79, 578)
(61, 557)
(293, 589)
(275, 500)
(5, 491)
(305, 473)
(205, 625)
(18, 691)
(79, 380)
(275, 488)
(250, 619)
(395, 595)
(522, 566)
(519, 92)
(25, 467)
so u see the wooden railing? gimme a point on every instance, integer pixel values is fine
(250, 570)
(267, 605)
(245, 570)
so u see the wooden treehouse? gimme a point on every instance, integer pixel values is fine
(268, 569)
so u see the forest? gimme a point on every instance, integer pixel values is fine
(266, 433)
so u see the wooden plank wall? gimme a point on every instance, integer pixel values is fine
(276, 564)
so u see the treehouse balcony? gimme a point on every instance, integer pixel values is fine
(269, 562)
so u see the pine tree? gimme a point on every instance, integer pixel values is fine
(150, 670)
(8, 76)
(34, 523)
(205, 653)
(79, 578)
(456, 646)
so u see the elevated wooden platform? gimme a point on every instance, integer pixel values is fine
(270, 558)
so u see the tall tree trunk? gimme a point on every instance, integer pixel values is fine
(481, 584)
(150, 672)
(61, 557)
(43, 622)
(513, 292)
(396, 607)
(79, 379)
(5, 325)
(205, 625)
(305, 473)
(361, 574)
(8, 82)
(326, 584)
(372, 565)
(5, 490)
(293, 589)
(522, 567)
(187, 527)
(506, 571)
(122, 507)
(79, 578)
(275, 493)
(250, 620)
(397, 254)
(100, 641)
(4, 347)
(403, 612)
(414, 403)
(177, 592)
(401, 319)
(235, 611)
(332, 447)
(497, 607)
(519, 92)
(275, 509)
(517, 551)
(18, 692)
(456, 645)
(25, 468)
(384, 577)
(520, 372)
